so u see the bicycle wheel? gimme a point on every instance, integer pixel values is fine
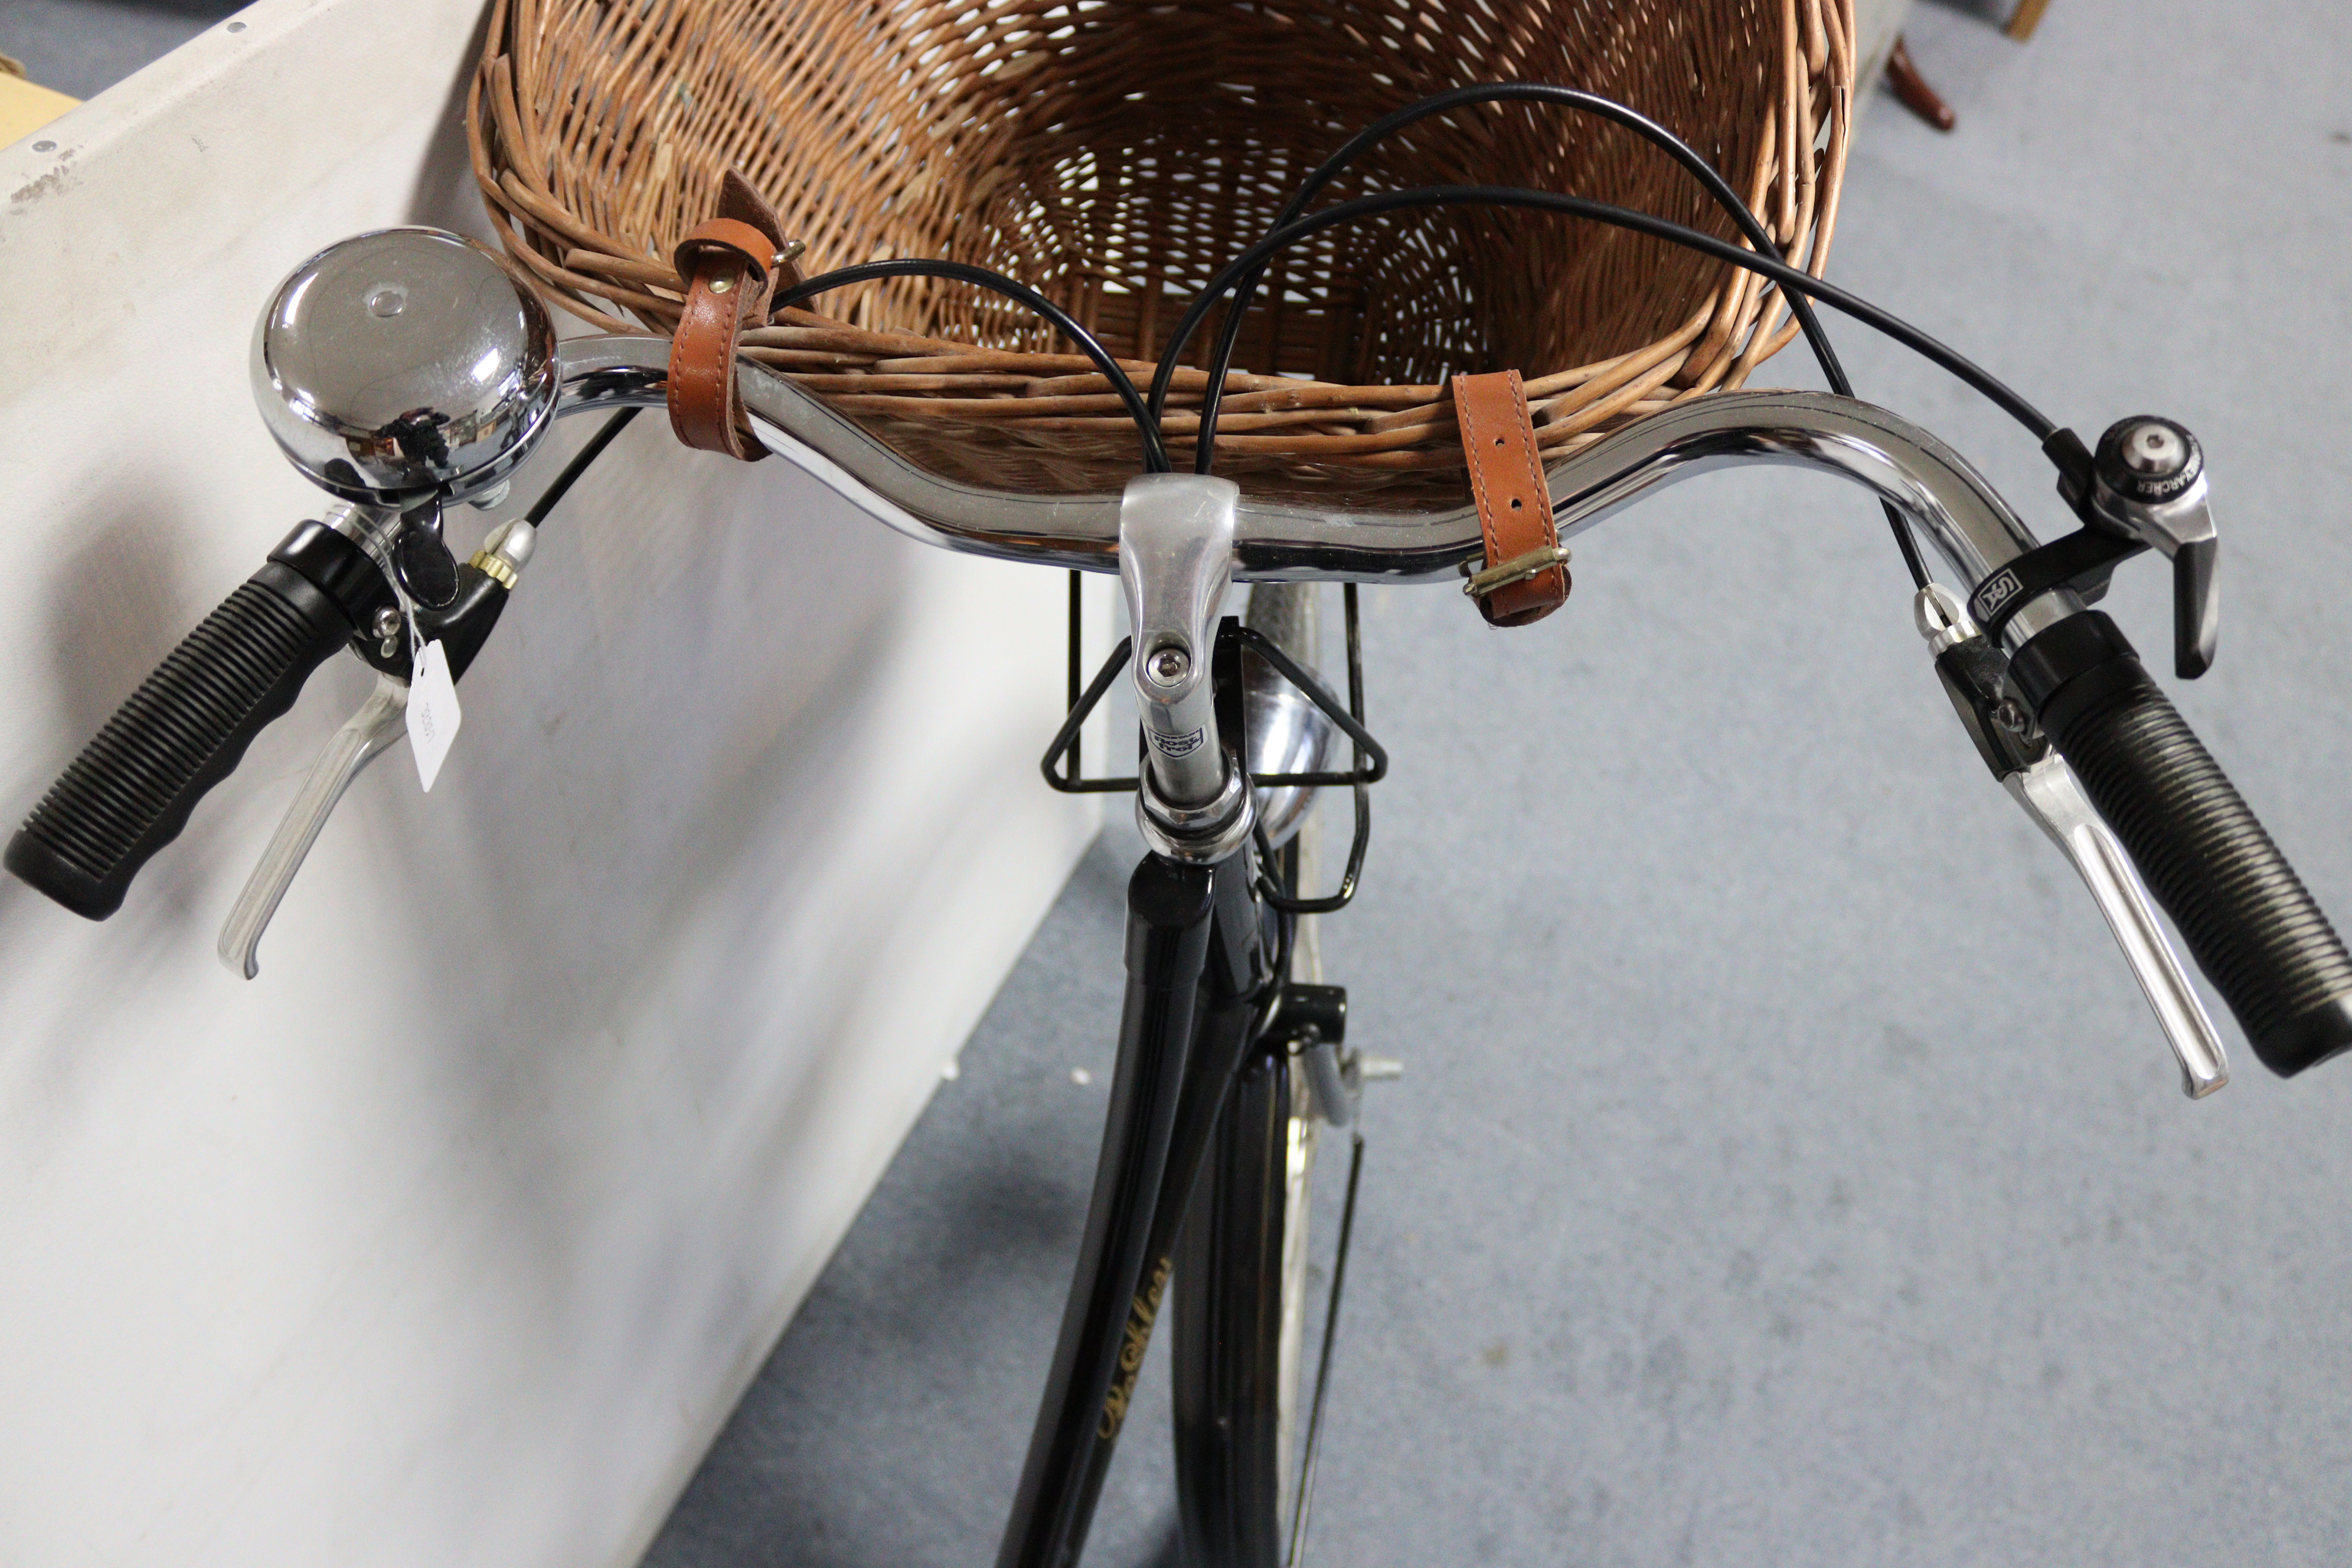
(1240, 1282)
(1240, 1290)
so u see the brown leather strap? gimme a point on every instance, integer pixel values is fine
(1526, 576)
(732, 265)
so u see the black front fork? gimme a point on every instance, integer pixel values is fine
(1196, 969)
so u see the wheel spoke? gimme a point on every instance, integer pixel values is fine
(1323, 1362)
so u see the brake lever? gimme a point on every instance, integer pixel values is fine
(2053, 797)
(1975, 677)
(368, 733)
(365, 736)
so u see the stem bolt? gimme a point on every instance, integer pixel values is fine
(387, 623)
(1169, 667)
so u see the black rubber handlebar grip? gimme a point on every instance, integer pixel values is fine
(2258, 935)
(184, 730)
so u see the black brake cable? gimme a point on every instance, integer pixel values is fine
(1781, 272)
(1147, 422)
(577, 467)
(1229, 333)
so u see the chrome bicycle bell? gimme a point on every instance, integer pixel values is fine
(406, 365)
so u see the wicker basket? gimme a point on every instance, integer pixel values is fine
(1116, 154)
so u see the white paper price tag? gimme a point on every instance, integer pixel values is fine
(432, 713)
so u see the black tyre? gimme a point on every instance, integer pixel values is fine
(1240, 1310)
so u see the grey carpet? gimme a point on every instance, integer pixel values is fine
(1786, 1169)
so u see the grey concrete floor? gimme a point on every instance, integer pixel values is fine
(1786, 1169)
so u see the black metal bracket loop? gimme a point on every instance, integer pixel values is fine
(1358, 841)
(1060, 762)
(1352, 725)
(1065, 749)
(2083, 560)
(1062, 753)
(1349, 726)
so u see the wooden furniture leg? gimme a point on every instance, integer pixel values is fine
(1913, 89)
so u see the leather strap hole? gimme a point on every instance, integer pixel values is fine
(1508, 483)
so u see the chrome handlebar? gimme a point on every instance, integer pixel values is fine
(1275, 541)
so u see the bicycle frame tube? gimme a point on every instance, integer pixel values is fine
(1111, 1305)
(1229, 1016)
(1194, 969)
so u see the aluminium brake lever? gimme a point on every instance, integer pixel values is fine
(1975, 676)
(2053, 797)
(365, 736)
(369, 733)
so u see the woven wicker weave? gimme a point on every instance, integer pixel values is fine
(1115, 154)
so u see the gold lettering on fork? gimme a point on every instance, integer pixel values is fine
(1140, 1314)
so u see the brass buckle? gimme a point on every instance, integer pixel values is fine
(1518, 569)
